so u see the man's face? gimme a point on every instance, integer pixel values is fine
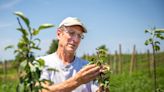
(70, 37)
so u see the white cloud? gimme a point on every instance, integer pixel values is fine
(8, 4)
(5, 25)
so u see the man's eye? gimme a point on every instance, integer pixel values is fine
(71, 33)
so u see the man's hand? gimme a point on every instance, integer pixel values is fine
(87, 74)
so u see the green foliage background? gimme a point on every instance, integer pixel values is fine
(53, 47)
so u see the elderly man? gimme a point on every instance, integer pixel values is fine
(73, 74)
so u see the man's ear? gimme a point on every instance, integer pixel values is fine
(59, 34)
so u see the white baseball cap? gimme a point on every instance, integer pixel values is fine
(70, 21)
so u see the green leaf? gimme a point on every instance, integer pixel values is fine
(36, 48)
(39, 87)
(44, 26)
(157, 42)
(41, 62)
(146, 31)
(17, 51)
(37, 39)
(32, 67)
(147, 42)
(33, 44)
(160, 36)
(159, 30)
(150, 40)
(25, 19)
(156, 48)
(23, 64)
(25, 39)
(21, 43)
(24, 32)
(9, 47)
(35, 32)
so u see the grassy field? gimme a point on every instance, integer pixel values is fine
(8, 81)
(141, 79)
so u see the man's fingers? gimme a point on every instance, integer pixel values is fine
(89, 67)
(93, 70)
(88, 73)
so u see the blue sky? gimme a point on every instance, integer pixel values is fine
(109, 22)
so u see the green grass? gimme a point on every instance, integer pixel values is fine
(9, 81)
(137, 82)
(134, 83)
(141, 80)
(8, 86)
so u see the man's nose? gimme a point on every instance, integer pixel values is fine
(76, 38)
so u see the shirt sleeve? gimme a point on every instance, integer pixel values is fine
(94, 86)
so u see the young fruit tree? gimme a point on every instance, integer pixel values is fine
(29, 68)
(101, 60)
(155, 35)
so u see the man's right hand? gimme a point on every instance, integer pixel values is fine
(87, 74)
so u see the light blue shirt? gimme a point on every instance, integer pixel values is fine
(64, 72)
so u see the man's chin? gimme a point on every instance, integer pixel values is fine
(71, 50)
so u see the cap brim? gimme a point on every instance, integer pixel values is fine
(84, 29)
